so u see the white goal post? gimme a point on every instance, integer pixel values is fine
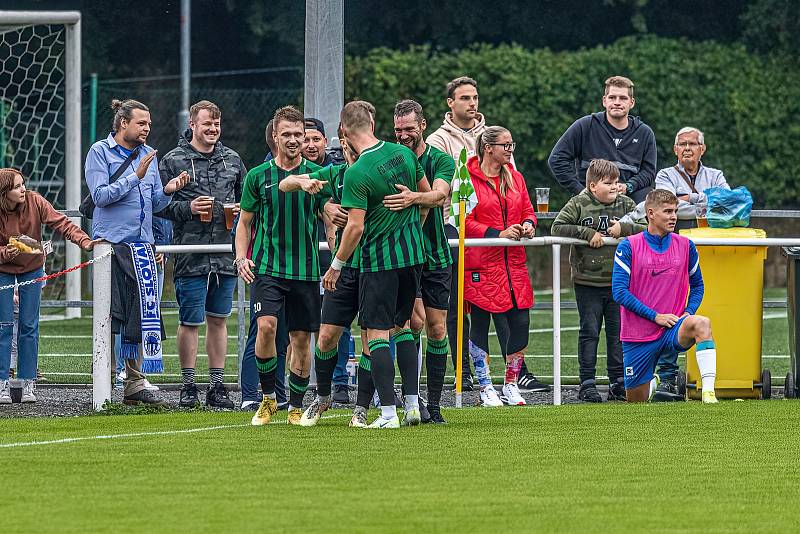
(71, 21)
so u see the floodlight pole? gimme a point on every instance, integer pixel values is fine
(324, 63)
(186, 63)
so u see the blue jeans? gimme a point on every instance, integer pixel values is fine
(668, 366)
(28, 333)
(340, 376)
(249, 372)
(119, 363)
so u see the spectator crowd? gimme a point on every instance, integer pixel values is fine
(383, 208)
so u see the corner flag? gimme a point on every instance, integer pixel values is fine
(462, 190)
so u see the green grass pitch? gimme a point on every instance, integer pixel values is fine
(621, 468)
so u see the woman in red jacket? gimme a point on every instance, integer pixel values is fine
(23, 213)
(496, 278)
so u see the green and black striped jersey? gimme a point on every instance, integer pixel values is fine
(284, 242)
(334, 175)
(438, 166)
(392, 239)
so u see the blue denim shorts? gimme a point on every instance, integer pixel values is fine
(199, 296)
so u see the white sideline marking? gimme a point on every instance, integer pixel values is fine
(56, 373)
(89, 336)
(71, 354)
(139, 434)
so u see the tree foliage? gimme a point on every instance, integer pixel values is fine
(746, 104)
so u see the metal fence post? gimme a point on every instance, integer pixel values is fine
(92, 108)
(241, 331)
(556, 325)
(101, 328)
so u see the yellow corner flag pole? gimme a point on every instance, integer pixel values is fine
(462, 208)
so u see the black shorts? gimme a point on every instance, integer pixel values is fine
(340, 307)
(434, 288)
(299, 300)
(386, 298)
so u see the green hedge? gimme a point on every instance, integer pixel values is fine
(747, 105)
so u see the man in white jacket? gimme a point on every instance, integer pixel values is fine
(689, 177)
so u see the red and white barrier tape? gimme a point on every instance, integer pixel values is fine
(59, 273)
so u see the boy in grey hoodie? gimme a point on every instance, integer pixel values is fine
(590, 215)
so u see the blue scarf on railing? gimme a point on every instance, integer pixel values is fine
(144, 264)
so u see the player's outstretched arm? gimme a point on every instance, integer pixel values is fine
(301, 182)
(425, 197)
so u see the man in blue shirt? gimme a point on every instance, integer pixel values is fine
(124, 209)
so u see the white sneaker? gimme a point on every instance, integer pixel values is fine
(412, 416)
(382, 422)
(247, 405)
(511, 393)
(490, 398)
(5, 392)
(28, 387)
(312, 414)
(359, 419)
(149, 387)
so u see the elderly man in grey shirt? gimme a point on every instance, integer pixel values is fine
(689, 177)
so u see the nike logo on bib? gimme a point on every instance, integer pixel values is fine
(656, 273)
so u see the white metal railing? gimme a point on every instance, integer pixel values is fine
(101, 326)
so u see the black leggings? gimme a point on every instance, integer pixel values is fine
(518, 322)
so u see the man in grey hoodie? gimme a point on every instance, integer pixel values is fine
(613, 135)
(204, 283)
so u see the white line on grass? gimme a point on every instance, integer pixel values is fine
(71, 354)
(89, 336)
(139, 434)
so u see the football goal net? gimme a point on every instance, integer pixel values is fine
(40, 133)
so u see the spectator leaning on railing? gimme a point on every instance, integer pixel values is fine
(23, 213)
(592, 214)
(496, 281)
(124, 214)
(688, 178)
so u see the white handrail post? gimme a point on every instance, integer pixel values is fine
(101, 327)
(556, 324)
(241, 329)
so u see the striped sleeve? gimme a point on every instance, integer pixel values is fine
(621, 279)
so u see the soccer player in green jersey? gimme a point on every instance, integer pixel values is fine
(391, 255)
(433, 296)
(283, 263)
(340, 307)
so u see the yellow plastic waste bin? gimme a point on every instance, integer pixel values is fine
(733, 277)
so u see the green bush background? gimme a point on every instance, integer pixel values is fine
(746, 104)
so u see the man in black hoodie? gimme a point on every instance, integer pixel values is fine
(204, 283)
(613, 135)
